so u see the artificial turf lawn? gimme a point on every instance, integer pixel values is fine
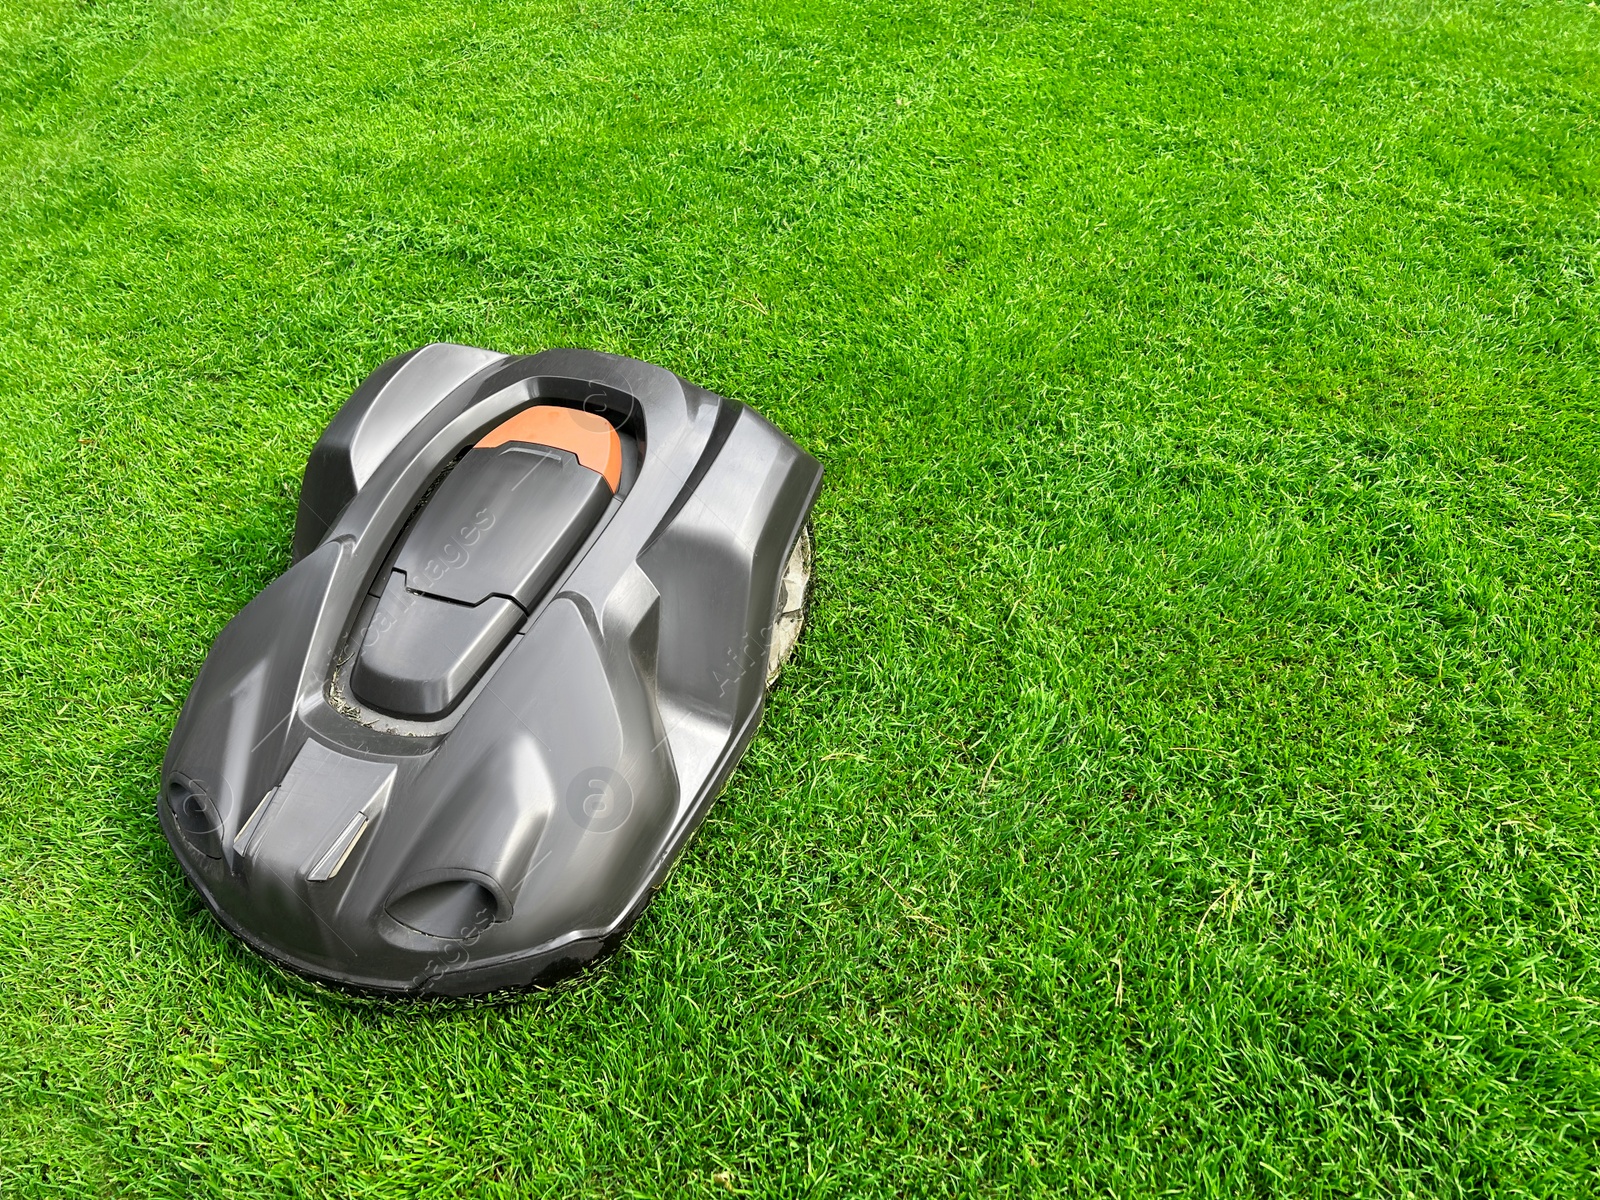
(1188, 779)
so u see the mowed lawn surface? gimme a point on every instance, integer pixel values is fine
(1189, 777)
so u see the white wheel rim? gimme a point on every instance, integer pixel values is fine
(791, 614)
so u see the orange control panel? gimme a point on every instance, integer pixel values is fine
(592, 438)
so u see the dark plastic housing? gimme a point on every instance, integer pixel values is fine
(445, 754)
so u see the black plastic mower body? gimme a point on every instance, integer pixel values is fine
(456, 746)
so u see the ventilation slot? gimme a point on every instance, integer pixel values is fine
(455, 909)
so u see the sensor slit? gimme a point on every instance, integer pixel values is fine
(246, 836)
(340, 850)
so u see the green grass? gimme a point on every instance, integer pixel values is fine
(1189, 779)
